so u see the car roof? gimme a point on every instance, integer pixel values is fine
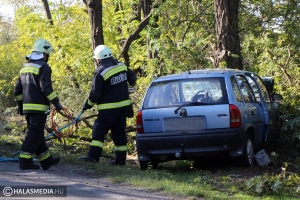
(216, 72)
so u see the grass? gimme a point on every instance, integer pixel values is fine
(176, 178)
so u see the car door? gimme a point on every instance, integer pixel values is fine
(253, 112)
(263, 98)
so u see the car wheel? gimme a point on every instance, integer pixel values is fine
(154, 164)
(144, 165)
(246, 160)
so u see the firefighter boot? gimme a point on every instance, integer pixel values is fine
(93, 155)
(88, 159)
(50, 161)
(120, 159)
(28, 164)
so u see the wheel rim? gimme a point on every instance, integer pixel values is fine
(250, 152)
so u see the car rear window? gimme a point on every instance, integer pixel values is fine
(177, 92)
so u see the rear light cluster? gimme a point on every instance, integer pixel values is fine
(235, 116)
(139, 122)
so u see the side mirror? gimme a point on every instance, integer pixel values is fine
(276, 97)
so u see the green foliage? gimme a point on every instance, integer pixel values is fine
(270, 47)
(273, 185)
(183, 37)
(72, 64)
(10, 66)
(287, 141)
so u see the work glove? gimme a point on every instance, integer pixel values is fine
(20, 107)
(130, 112)
(56, 103)
(58, 106)
(86, 106)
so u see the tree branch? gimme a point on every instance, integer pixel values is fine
(48, 13)
(135, 34)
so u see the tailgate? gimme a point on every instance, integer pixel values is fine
(198, 118)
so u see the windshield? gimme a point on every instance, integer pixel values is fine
(177, 92)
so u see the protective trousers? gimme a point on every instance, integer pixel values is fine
(114, 120)
(35, 142)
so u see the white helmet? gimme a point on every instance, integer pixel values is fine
(102, 52)
(44, 46)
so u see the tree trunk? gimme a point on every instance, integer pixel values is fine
(47, 10)
(95, 14)
(228, 41)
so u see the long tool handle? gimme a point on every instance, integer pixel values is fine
(51, 134)
(65, 126)
(47, 112)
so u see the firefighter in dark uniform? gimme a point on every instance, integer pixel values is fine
(110, 93)
(34, 92)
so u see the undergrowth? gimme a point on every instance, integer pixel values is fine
(175, 178)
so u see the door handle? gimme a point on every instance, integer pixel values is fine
(252, 112)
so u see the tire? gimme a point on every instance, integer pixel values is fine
(247, 159)
(154, 164)
(144, 165)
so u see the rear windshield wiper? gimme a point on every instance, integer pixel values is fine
(191, 104)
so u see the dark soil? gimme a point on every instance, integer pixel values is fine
(227, 167)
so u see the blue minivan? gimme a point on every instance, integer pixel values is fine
(206, 112)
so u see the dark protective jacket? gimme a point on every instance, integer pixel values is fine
(110, 87)
(34, 87)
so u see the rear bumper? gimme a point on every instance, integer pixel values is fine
(188, 144)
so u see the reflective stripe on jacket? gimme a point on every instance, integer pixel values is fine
(110, 87)
(34, 87)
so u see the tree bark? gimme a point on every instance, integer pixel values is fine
(47, 10)
(95, 15)
(228, 41)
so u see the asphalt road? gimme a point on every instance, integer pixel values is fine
(79, 184)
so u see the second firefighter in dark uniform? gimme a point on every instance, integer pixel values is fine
(110, 93)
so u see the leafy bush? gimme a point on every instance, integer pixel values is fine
(274, 184)
(287, 140)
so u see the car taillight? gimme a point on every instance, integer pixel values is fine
(139, 122)
(235, 116)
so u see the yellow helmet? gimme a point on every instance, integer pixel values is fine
(44, 46)
(101, 52)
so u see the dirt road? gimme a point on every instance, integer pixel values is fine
(79, 184)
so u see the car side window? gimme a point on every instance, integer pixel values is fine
(245, 89)
(236, 90)
(263, 89)
(254, 88)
